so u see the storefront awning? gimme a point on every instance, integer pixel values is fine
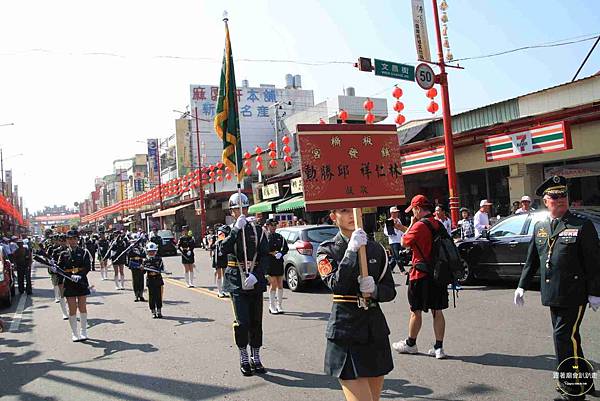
(296, 202)
(171, 211)
(262, 207)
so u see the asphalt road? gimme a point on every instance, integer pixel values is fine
(497, 352)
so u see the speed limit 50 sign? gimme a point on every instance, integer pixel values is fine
(424, 76)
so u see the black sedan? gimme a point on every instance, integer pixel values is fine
(501, 252)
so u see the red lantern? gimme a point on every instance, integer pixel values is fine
(204, 176)
(397, 92)
(204, 169)
(260, 167)
(433, 107)
(248, 171)
(258, 150)
(287, 159)
(343, 115)
(273, 163)
(211, 181)
(431, 93)
(258, 159)
(369, 118)
(398, 106)
(286, 149)
(285, 140)
(247, 163)
(220, 178)
(321, 121)
(211, 174)
(400, 119)
(368, 105)
(211, 167)
(247, 155)
(227, 169)
(220, 165)
(219, 172)
(272, 145)
(272, 154)
(228, 177)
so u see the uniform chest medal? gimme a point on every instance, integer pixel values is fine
(570, 232)
(324, 267)
(542, 233)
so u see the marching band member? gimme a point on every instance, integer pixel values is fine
(54, 253)
(219, 260)
(118, 257)
(135, 257)
(278, 248)
(153, 266)
(103, 248)
(186, 247)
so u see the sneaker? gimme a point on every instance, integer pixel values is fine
(222, 295)
(402, 348)
(437, 352)
(117, 288)
(75, 338)
(273, 311)
(159, 315)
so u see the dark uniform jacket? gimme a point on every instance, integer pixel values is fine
(103, 246)
(153, 263)
(276, 244)
(22, 257)
(185, 244)
(117, 249)
(257, 250)
(135, 257)
(567, 259)
(339, 270)
(219, 260)
(90, 245)
(75, 261)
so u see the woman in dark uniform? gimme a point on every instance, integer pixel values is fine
(358, 351)
(76, 263)
(219, 259)
(278, 248)
(186, 247)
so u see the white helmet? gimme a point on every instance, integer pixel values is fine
(151, 246)
(234, 201)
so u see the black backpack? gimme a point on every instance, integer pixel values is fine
(445, 264)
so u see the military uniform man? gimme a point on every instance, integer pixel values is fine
(565, 249)
(135, 257)
(246, 249)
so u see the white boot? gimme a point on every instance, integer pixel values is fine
(74, 332)
(63, 308)
(56, 294)
(187, 279)
(279, 300)
(116, 282)
(272, 307)
(83, 320)
(219, 287)
(192, 278)
(122, 281)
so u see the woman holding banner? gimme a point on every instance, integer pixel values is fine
(358, 351)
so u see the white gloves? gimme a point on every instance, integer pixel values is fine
(53, 269)
(594, 302)
(250, 280)
(75, 278)
(113, 253)
(519, 297)
(367, 284)
(240, 222)
(358, 239)
(189, 253)
(278, 255)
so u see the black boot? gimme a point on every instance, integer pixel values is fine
(246, 369)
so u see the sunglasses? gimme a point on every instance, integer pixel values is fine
(557, 196)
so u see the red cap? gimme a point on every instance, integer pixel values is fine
(418, 200)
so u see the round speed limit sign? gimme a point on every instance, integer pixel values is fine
(424, 76)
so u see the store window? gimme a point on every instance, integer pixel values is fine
(491, 184)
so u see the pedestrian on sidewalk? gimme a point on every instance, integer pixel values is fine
(440, 215)
(247, 250)
(135, 257)
(394, 230)
(465, 224)
(424, 293)
(481, 221)
(186, 247)
(219, 260)
(525, 206)
(22, 259)
(358, 350)
(278, 248)
(153, 267)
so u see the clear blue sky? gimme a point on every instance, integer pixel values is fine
(75, 113)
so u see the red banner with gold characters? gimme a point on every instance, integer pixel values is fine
(350, 165)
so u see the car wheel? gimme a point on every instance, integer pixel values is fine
(293, 279)
(467, 277)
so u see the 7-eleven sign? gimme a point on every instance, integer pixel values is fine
(522, 142)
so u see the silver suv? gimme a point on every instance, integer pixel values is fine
(300, 263)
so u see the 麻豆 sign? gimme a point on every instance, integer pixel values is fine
(350, 166)
(542, 139)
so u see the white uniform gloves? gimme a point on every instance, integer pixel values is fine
(367, 284)
(53, 269)
(594, 302)
(75, 278)
(250, 280)
(358, 239)
(278, 255)
(240, 222)
(519, 297)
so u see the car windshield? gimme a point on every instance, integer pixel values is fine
(321, 234)
(509, 227)
(165, 233)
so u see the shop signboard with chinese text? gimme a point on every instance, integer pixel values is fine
(270, 191)
(391, 69)
(296, 185)
(541, 139)
(350, 166)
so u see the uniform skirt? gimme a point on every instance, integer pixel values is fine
(274, 269)
(349, 361)
(187, 259)
(79, 289)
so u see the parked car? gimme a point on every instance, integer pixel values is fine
(169, 244)
(7, 283)
(501, 252)
(300, 263)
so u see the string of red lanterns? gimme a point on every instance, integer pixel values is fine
(433, 106)
(398, 106)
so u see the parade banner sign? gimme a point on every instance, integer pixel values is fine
(153, 156)
(542, 139)
(420, 28)
(423, 160)
(350, 166)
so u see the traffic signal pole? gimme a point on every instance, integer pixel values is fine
(447, 121)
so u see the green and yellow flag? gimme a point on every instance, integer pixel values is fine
(227, 123)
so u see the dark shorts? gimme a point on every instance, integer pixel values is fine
(349, 361)
(274, 269)
(425, 294)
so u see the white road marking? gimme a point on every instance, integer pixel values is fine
(16, 320)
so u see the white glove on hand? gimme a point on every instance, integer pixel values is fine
(367, 284)
(358, 239)
(519, 297)
(189, 253)
(594, 302)
(53, 269)
(250, 280)
(113, 253)
(240, 222)
(75, 278)
(278, 255)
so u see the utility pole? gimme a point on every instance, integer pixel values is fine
(2, 171)
(160, 198)
(202, 210)
(447, 121)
